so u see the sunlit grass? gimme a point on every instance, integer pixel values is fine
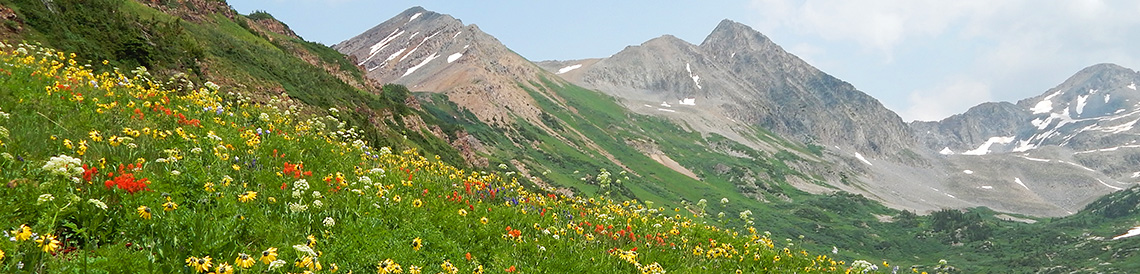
(111, 172)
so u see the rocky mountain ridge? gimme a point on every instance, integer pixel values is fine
(738, 78)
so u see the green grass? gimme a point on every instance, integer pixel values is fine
(362, 204)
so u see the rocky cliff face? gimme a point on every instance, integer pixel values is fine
(428, 51)
(737, 78)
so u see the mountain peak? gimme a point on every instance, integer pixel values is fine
(729, 31)
(1105, 68)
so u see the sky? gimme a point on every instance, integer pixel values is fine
(925, 60)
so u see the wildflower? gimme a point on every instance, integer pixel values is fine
(448, 267)
(484, 220)
(329, 222)
(298, 207)
(95, 136)
(169, 206)
(144, 212)
(23, 232)
(417, 203)
(333, 268)
(318, 204)
(388, 266)
(64, 165)
(462, 212)
(272, 200)
(45, 198)
(48, 243)
(414, 270)
(269, 255)
(478, 269)
(417, 243)
(397, 199)
(311, 241)
(224, 268)
(510, 269)
(301, 184)
(247, 196)
(97, 203)
(1, 255)
(244, 261)
(275, 264)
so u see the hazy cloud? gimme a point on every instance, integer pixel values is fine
(945, 100)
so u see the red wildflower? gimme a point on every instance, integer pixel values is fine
(126, 181)
(511, 269)
(89, 172)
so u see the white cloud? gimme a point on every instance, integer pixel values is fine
(945, 100)
(1013, 49)
(879, 25)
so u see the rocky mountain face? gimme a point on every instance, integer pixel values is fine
(428, 51)
(739, 78)
(1091, 117)
(1084, 126)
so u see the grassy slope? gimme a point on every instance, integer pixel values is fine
(250, 64)
(362, 205)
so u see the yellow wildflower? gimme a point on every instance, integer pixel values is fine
(244, 261)
(48, 242)
(144, 212)
(269, 255)
(23, 233)
(247, 196)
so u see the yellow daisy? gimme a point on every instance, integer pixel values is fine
(48, 242)
(247, 196)
(417, 243)
(144, 212)
(244, 261)
(269, 255)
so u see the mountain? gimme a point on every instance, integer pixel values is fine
(738, 78)
(1086, 122)
(432, 52)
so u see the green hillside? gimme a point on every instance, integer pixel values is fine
(290, 147)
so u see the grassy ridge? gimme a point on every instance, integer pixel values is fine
(140, 179)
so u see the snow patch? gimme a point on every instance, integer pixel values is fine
(666, 104)
(696, 78)
(414, 16)
(1081, 102)
(376, 48)
(394, 55)
(860, 156)
(1107, 97)
(456, 34)
(1109, 186)
(568, 69)
(951, 196)
(413, 69)
(987, 187)
(1131, 232)
(968, 171)
(1023, 146)
(688, 101)
(1132, 86)
(1136, 174)
(1045, 106)
(1018, 181)
(669, 110)
(453, 57)
(946, 151)
(1106, 149)
(985, 147)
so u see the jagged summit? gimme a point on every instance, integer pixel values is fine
(738, 76)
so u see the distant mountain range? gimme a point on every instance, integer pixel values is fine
(1046, 156)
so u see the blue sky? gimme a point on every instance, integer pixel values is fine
(925, 60)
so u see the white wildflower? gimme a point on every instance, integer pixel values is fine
(301, 184)
(329, 222)
(318, 204)
(298, 207)
(64, 165)
(98, 203)
(47, 197)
